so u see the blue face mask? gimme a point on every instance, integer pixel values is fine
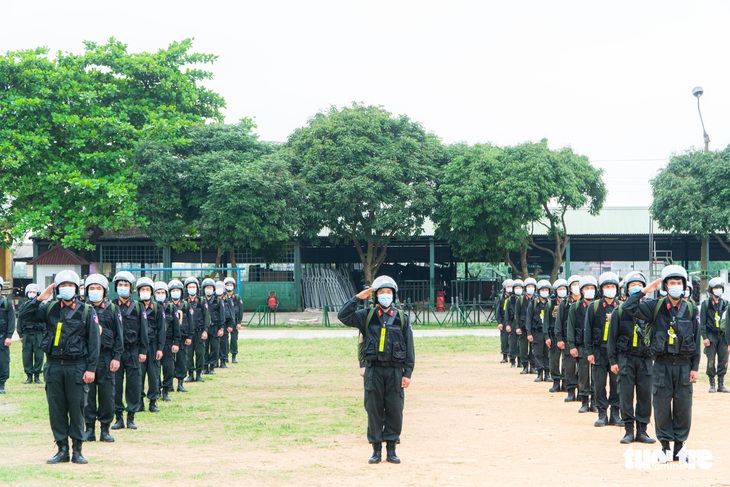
(96, 295)
(66, 293)
(123, 292)
(385, 300)
(676, 291)
(634, 290)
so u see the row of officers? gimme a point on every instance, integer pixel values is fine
(100, 352)
(610, 346)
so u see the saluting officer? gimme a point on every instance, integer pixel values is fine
(171, 329)
(31, 334)
(501, 317)
(110, 354)
(150, 369)
(136, 343)
(674, 338)
(595, 334)
(712, 328)
(7, 328)
(237, 304)
(389, 357)
(535, 325)
(631, 360)
(576, 340)
(71, 343)
(561, 335)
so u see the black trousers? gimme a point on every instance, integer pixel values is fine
(100, 401)
(554, 356)
(570, 365)
(512, 342)
(196, 353)
(223, 352)
(601, 371)
(66, 394)
(539, 350)
(584, 373)
(181, 361)
(634, 381)
(234, 341)
(212, 349)
(4, 362)
(150, 370)
(168, 366)
(33, 353)
(504, 340)
(384, 401)
(672, 395)
(129, 368)
(717, 350)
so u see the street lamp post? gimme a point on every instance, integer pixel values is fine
(697, 91)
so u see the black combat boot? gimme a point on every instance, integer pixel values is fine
(105, 436)
(130, 421)
(539, 376)
(532, 369)
(721, 384)
(712, 384)
(615, 418)
(524, 370)
(119, 424)
(38, 379)
(234, 361)
(563, 387)
(677, 447)
(62, 455)
(666, 451)
(165, 395)
(555, 387)
(90, 433)
(512, 364)
(198, 378)
(190, 377)
(211, 369)
(180, 387)
(77, 456)
(584, 405)
(546, 376)
(141, 405)
(602, 420)
(205, 369)
(391, 457)
(641, 435)
(377, 453)
(592, 407)
(504, 359)
(629, 436)
(29, 380)
(153, 407)
(2, 388)
(571, 395)
(223, 364)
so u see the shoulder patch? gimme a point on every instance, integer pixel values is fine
(119, 316)
(144, 314)
(95, 317)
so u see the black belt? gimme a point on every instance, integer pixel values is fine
(63, 361)
(672, 360)
(385, 364)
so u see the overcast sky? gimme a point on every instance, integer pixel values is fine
(613, 80)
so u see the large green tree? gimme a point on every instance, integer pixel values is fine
(371, 177)
(69, 125)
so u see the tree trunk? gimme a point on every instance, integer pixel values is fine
(232, 254)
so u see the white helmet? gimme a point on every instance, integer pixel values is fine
(67, 276)
(208, 282)
(530, 282)
(573, 279)
(588, 281)
(518, 283)
(175, 284)
(229, 280)
(674, 271)
(98, 279)
(559, 283)
(145, 281)
(608, 278)
(123, 276)
(507, 283)
(635, 276)
(716, 282)
(383, 282)
(160, 286)
(31, 287)
(192, 280)
(543, 284)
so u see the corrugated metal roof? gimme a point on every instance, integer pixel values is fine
(610, 221)
(58, 256)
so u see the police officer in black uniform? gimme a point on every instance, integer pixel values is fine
(674, 339)
(237, 304)
(576, 341)
(216, 312)
(514, 307)
(390, 358)
(595, 335)
(570, 363)
(712, 328)
(71, 343)
(525, 347)
(136, 343)
(172, 337)
(196, 311)
(110, 354)
(220, 292)
(535, 324)
(175, 288)
(7, 328)
(31, 334)
(501, 317)
(150, 369)
(631, 360)
(560, 286)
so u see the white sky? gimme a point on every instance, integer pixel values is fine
(611, 79)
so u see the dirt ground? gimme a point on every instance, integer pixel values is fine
(469, 421)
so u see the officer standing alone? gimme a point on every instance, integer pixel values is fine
(389, 361)
(71, 343)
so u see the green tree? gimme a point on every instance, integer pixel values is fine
(371, 177)
(68, 129)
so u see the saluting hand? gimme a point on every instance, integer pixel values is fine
(365, 293)
(47, 293)
(652, 287)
